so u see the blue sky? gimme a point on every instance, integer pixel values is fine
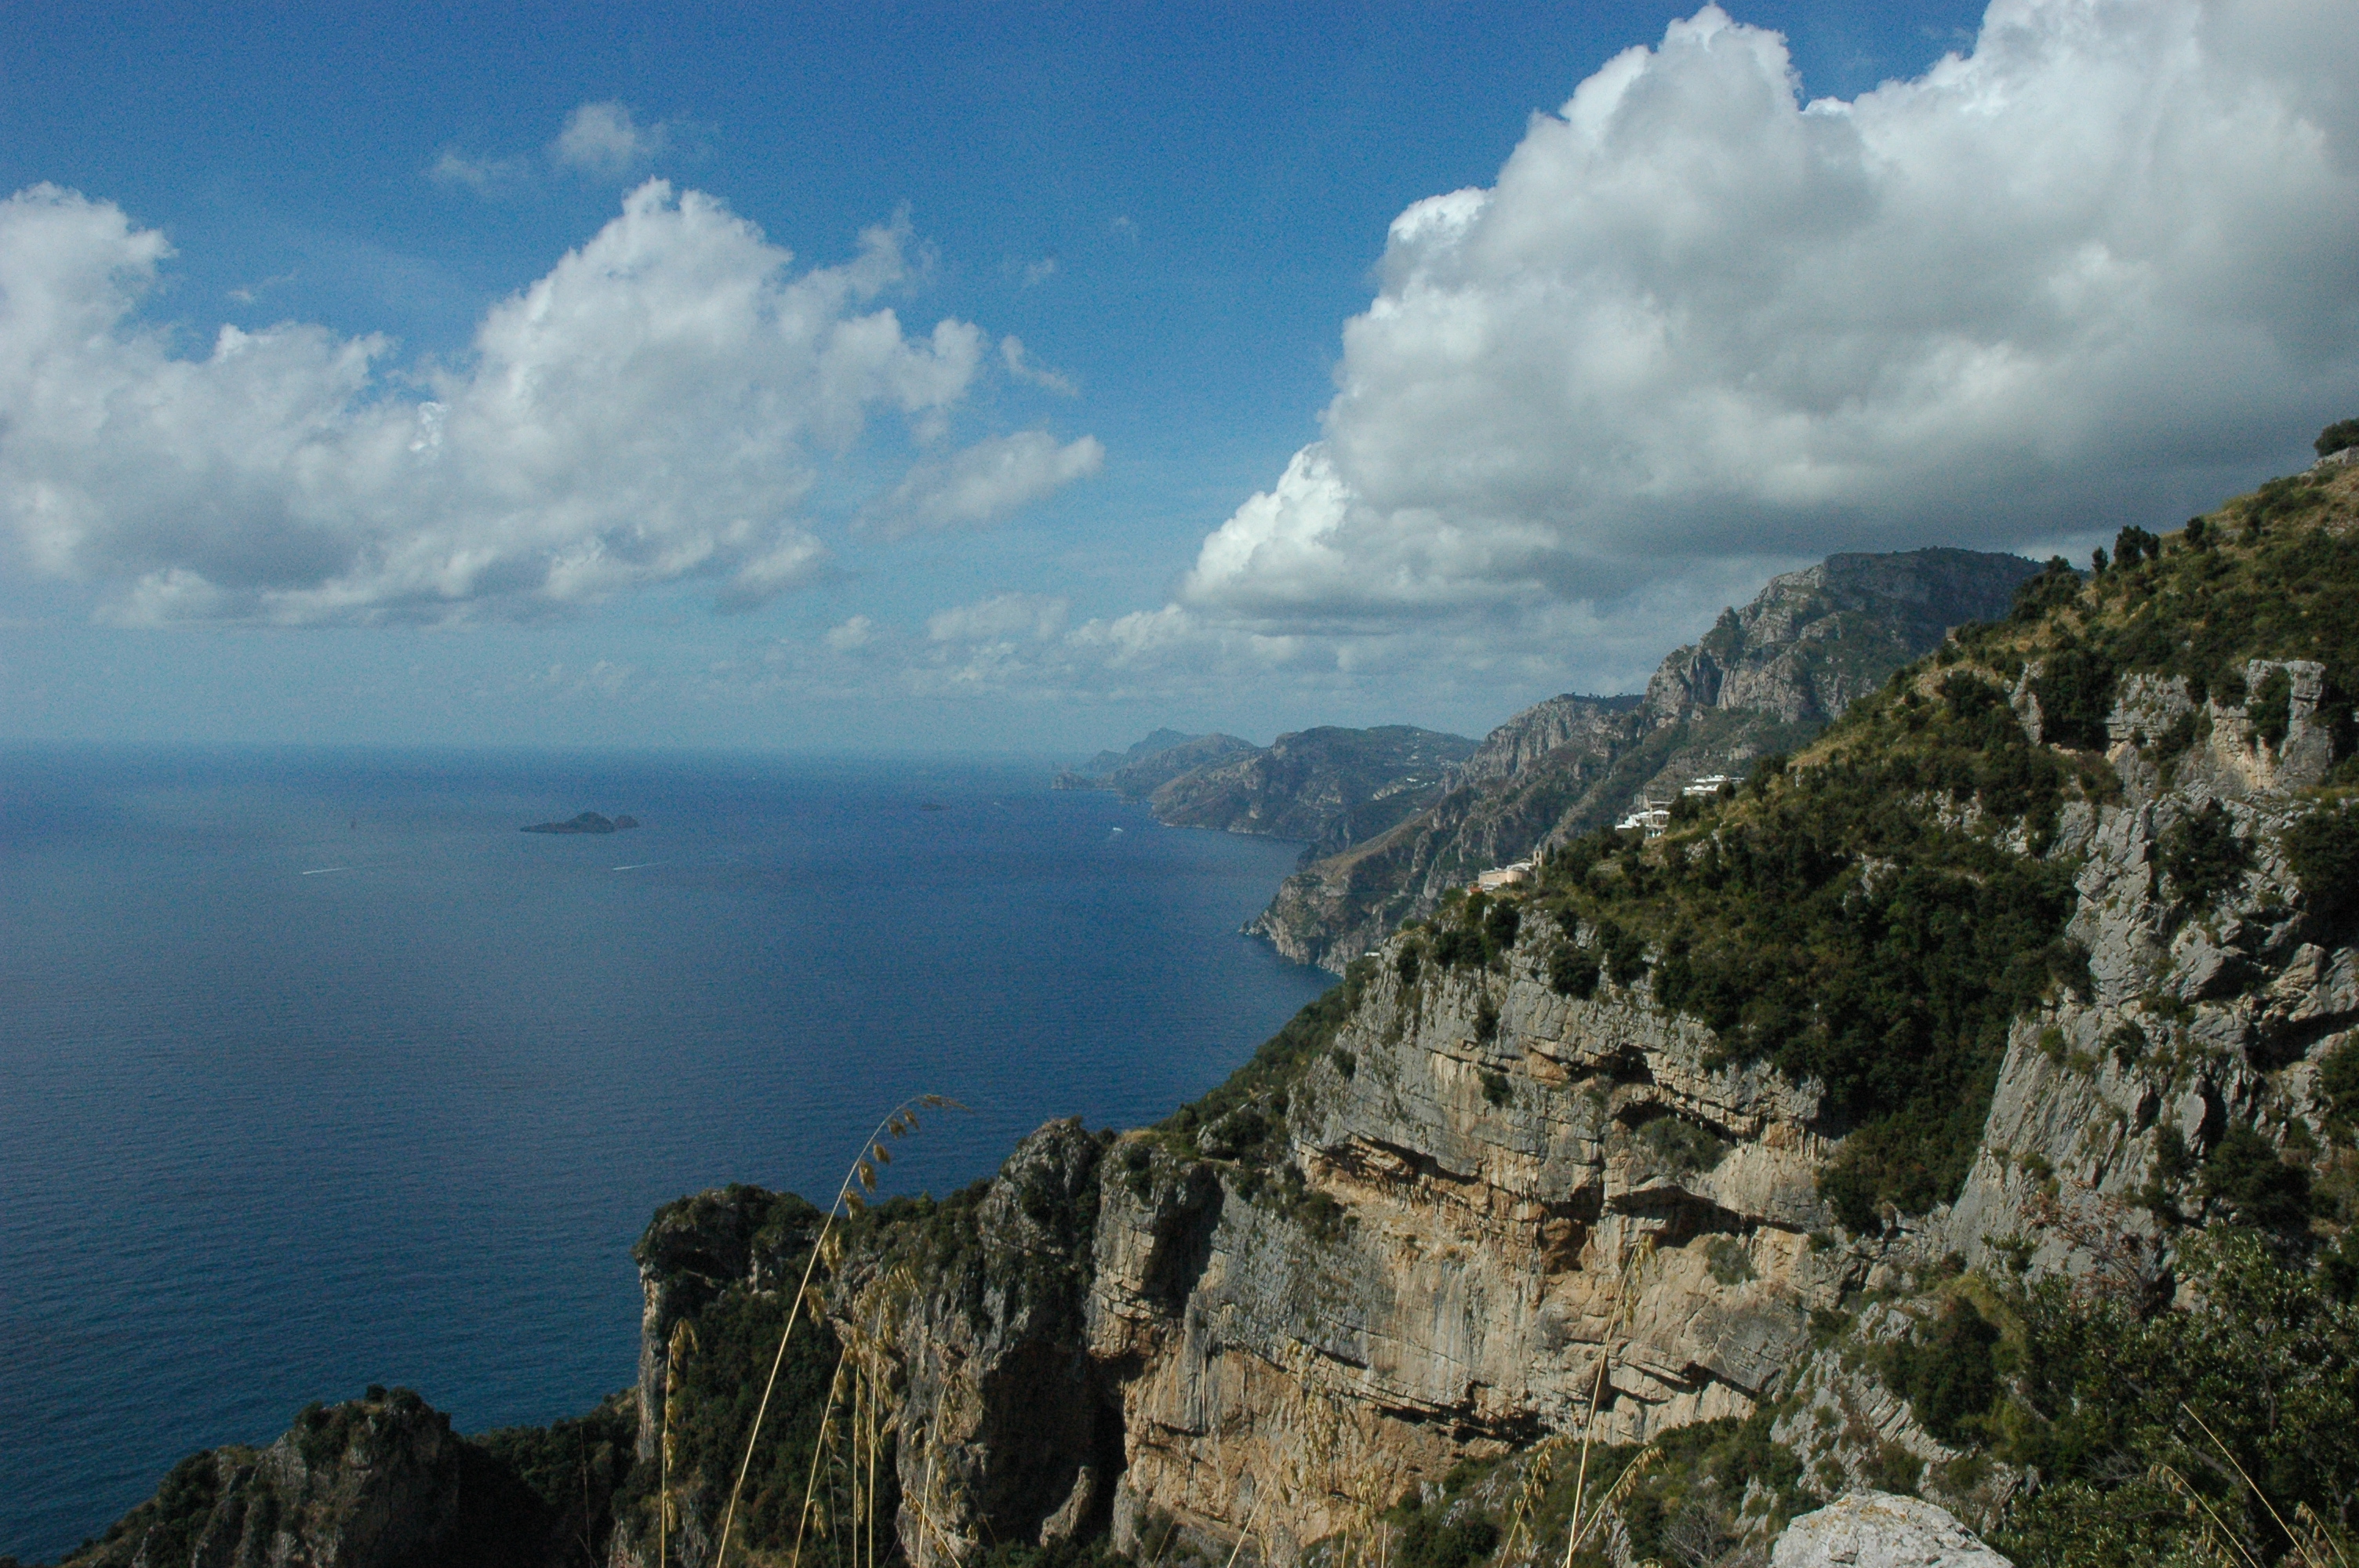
(1225, 428)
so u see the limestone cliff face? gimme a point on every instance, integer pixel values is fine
(1551, 762)
(1486, 1237)
(1484, 1222)
(1766, 678)
(1545, 729)
(1813, 641)
(2201, 1013)
(1498, 1208)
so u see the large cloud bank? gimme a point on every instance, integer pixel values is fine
(2106, 262)
(656, 407)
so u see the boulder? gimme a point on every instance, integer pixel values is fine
(1877, 1529)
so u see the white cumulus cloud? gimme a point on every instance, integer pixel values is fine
(2103, 265)
(987, 481)
(655, 408)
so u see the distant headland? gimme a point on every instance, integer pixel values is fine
(588, 822)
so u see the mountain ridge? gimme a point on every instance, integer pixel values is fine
(1764, 679)
(1950, 1110)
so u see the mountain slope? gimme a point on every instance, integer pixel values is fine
(1764, 679)
(1328, 788)
(1968, 1106)
(1153, 763)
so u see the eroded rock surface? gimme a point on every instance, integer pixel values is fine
(1877, 1529)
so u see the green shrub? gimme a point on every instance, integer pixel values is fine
(1680, 1147)
(2245, 1174)
(1573, 971)
(2076, 692)
(2055, 586)
(1626, 953)
(1457, 947)
(2203, 856)
(1950, 1376)
(1702, 1474)
(2109, 1387)
(1426, 1543)
(2323, 849)
(2270, 708)
(2335, 437)
(2338, 1086)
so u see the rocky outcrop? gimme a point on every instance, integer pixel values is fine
(1544, 732)
(1009, 1429)
(380, 1482)
(692, 1251)
(1006, 1428)
(1814, 641)
(587, 822)
(1877, 1529)
(2201, 1010)
(1766, 678)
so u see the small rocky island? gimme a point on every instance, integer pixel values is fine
(588, 822)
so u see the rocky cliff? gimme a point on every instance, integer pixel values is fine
(1966, 1107)
(1764, 679)
(1773, 1126)
(382, 1482)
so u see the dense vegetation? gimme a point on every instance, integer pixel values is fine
(2270, 576)
(2131, 1414)
(1839, 924)
(712, 1410)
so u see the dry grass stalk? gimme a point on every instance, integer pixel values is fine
(1245, 1534)
(1613, 1498)
(1522, 1543)
(1617, 1319)
(2218, 1539)
(2306, 1543)
(900, 1121)
(932, 1494)
(2320, 1541)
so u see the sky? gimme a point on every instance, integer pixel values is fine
(922, 377)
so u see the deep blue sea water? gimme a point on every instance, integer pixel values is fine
(316, 1073)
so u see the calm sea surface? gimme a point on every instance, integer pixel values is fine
(315, 1072)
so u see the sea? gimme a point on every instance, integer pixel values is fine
(315, 1072)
